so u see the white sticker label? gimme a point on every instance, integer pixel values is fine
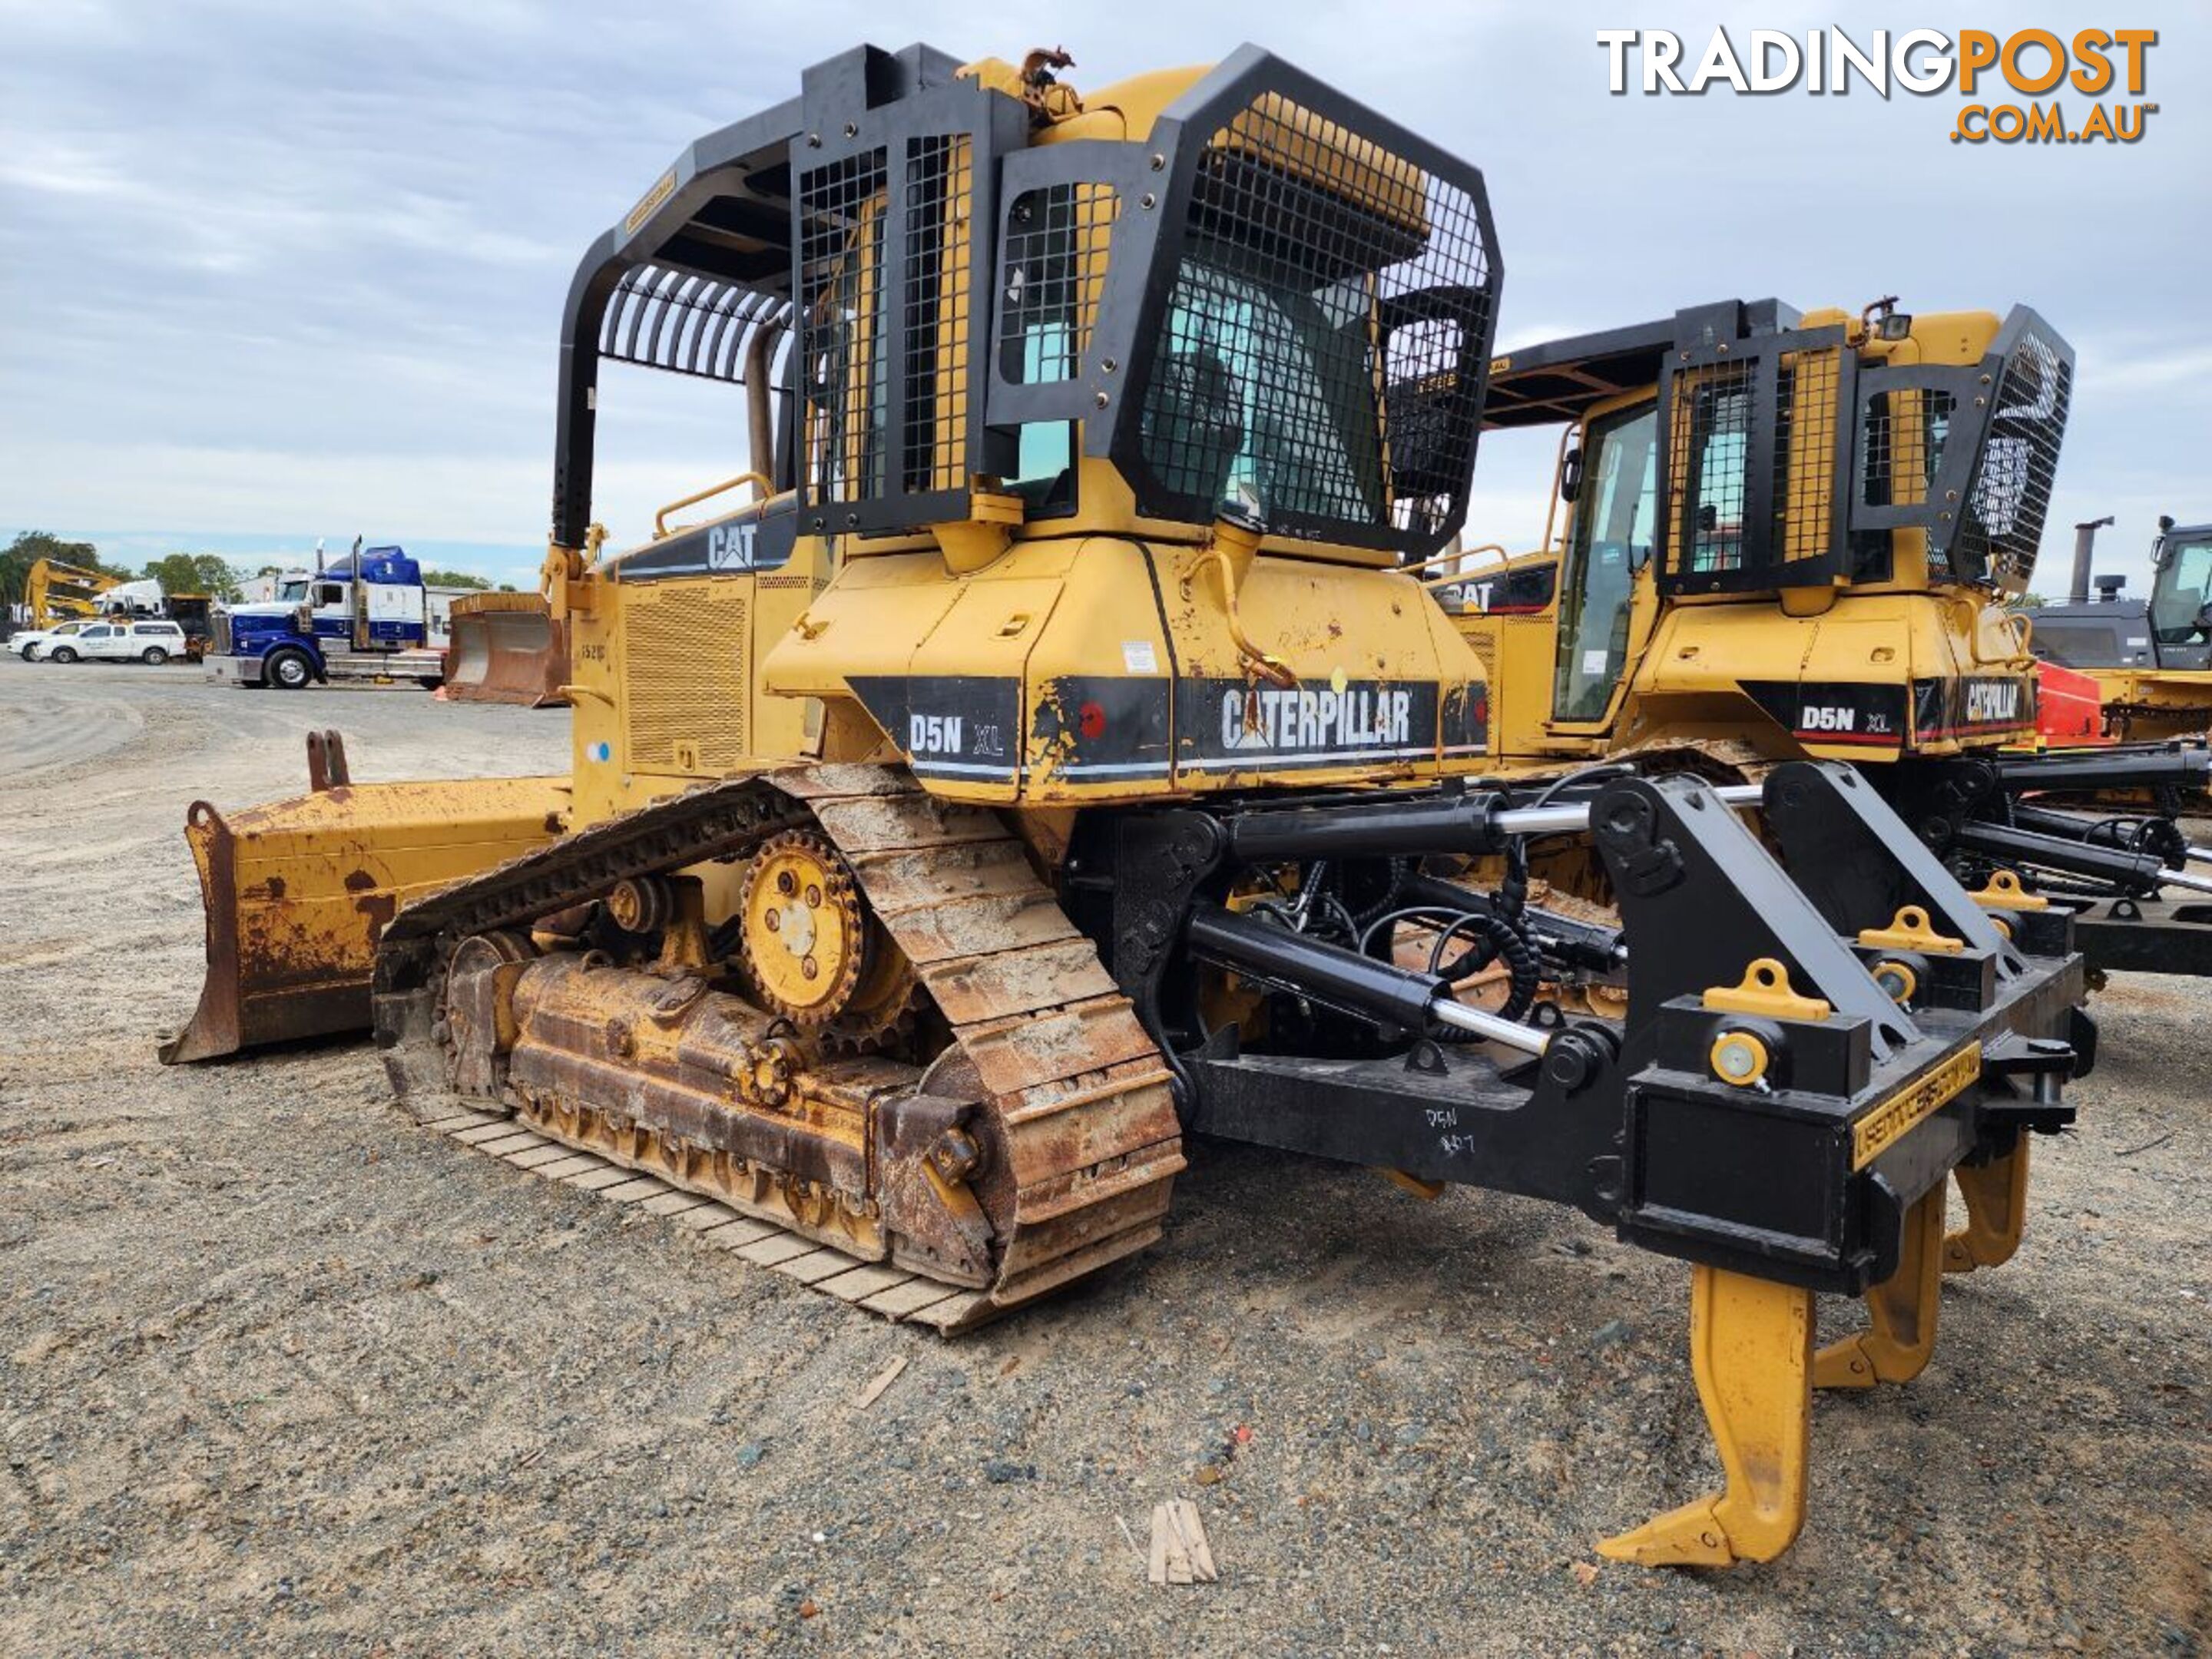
(2136, 642)
(1138, 658)
(1593, 664)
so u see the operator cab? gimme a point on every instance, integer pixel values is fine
(2172, 630)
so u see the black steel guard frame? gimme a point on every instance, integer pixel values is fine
(1154, 182)
(713, 251)
(1973, 389)
(1688, 370)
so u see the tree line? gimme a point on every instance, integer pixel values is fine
(178, 573)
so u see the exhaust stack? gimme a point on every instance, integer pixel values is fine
(2085, 546)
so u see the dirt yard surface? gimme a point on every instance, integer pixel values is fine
(283, 1374)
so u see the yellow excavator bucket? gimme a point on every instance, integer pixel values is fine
(506, 647)
(298, 892)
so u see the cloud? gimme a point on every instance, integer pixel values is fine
(267, 265)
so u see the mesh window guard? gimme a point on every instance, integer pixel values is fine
(1331, 299)
(1054, 276)
(1905, 435)
(845, 378)
(939, 208)
(2002, 524)
(1805, 414)
(1709, 463)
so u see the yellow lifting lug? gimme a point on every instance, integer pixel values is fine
(2004, 893)
(1911, 931)
(1766, 990)
(970, 543)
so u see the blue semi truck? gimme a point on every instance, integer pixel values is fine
(364, 616)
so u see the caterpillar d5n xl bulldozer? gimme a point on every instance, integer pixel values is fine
(1038, 770)
(1794, 536)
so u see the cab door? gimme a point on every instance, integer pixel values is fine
(1610, 543)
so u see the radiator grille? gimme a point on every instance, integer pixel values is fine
(2002, 524)
(1484, 644)
(688, 647)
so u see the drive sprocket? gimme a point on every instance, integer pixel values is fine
(811, 950)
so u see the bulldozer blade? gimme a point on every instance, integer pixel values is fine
(298, 892)
(506, 647)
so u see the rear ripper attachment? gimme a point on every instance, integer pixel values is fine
(1809, 1052)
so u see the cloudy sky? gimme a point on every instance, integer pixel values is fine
(271, 272)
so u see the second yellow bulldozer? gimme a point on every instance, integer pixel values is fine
(1044, 766)
(1788, 534)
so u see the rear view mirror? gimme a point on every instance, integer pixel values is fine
(1570, 475)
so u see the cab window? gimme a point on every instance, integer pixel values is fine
(1616, 509)
(2181, 593)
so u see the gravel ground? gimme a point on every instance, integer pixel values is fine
(283, 1375)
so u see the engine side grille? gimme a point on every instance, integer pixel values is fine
(688, 649)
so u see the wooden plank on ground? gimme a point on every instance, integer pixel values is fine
(482, 1131)
(1180, 1554)
(709, 1214)
(735, 1235)
(637, 1186)
(598, 1180)
(883, 1380)
(459, 1121)
(905, 1301)
(675, 1201)
(816, 1265)
(863, 1281)
(538, 1156)
(778, 1247)
(575, 1164)
(515, 1141)
(953, 1311)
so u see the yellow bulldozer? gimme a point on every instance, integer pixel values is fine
(1797, 535)
(1055, 759)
